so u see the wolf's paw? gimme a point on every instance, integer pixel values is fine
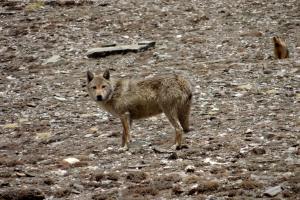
(124, 148)
(175, 147)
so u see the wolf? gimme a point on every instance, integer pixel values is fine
(132, 99)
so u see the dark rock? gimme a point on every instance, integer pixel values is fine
(258, 151)
(48, 181)
(177, 190)
(173, 156)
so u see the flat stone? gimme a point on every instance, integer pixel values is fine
(273, 191)
(161, 150)
(52, 59)
(7, 13)
(119, 49)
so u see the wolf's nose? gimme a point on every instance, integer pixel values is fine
(99, 97)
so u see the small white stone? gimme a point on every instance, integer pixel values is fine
(249, 130)
(292, 149)
(92, 167)
(60, 172)
(92, 156)
(10, 78)
(71, 161)
(238, 95)
(88, 135)
(60, 98)
(106, 182)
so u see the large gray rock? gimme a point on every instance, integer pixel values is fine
(119, 49)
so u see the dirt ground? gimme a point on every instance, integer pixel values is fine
(245, 114)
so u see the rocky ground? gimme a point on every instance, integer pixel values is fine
(55, 143)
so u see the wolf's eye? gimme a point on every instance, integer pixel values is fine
(94, 87)
(103, 86)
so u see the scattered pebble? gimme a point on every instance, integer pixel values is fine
(60, 172)
(190, 169)
(173, 156)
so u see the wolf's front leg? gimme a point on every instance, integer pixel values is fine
(126, 123)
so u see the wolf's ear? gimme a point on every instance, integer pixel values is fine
(106, 74)
(89, 76)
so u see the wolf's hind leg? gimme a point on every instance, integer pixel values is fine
(172, 117)
(184, 116)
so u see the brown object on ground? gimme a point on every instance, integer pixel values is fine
(280, 48)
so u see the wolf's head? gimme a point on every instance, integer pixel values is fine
(278, 41)
(99, 87)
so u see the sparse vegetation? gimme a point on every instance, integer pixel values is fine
(34, 6)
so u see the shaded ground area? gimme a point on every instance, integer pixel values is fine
(245, 114)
